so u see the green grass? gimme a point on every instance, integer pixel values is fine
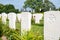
(36, 32)
(0, 39)
(36, 29)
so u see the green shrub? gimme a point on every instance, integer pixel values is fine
(1, 30)
(31, 36)
(11, 34)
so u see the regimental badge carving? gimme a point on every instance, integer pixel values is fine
(51, 18)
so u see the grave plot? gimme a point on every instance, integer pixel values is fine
(12, 20)
(4, 17)
(51, 25)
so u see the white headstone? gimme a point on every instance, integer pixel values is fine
(52, 25)
(25, 21)
(4, 17)
(37, 17)
(19, 17)
(12, 20)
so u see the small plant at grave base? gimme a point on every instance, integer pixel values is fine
(31, 36)
(11, 34)
(15, 35)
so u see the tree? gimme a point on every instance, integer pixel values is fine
(59, 9)
(48, 5)
(8, 8)
(38, 4)
(1, 8)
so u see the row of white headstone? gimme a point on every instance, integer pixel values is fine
(24, 18)
(51, 23)
(37, 17)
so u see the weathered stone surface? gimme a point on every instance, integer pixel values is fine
(4, 17)
(25, 21)
(12, 20)
(51, 25)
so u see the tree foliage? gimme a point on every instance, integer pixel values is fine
(59, 9)
(8, 8)
(38, 4)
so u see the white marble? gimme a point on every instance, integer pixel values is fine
(37, 17)
(4, 17)
(51, 25)
(12, 20)
(19, 17)
(25, 21)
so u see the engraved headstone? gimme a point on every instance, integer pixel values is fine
(52, 25)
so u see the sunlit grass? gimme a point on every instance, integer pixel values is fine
(35, 33)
